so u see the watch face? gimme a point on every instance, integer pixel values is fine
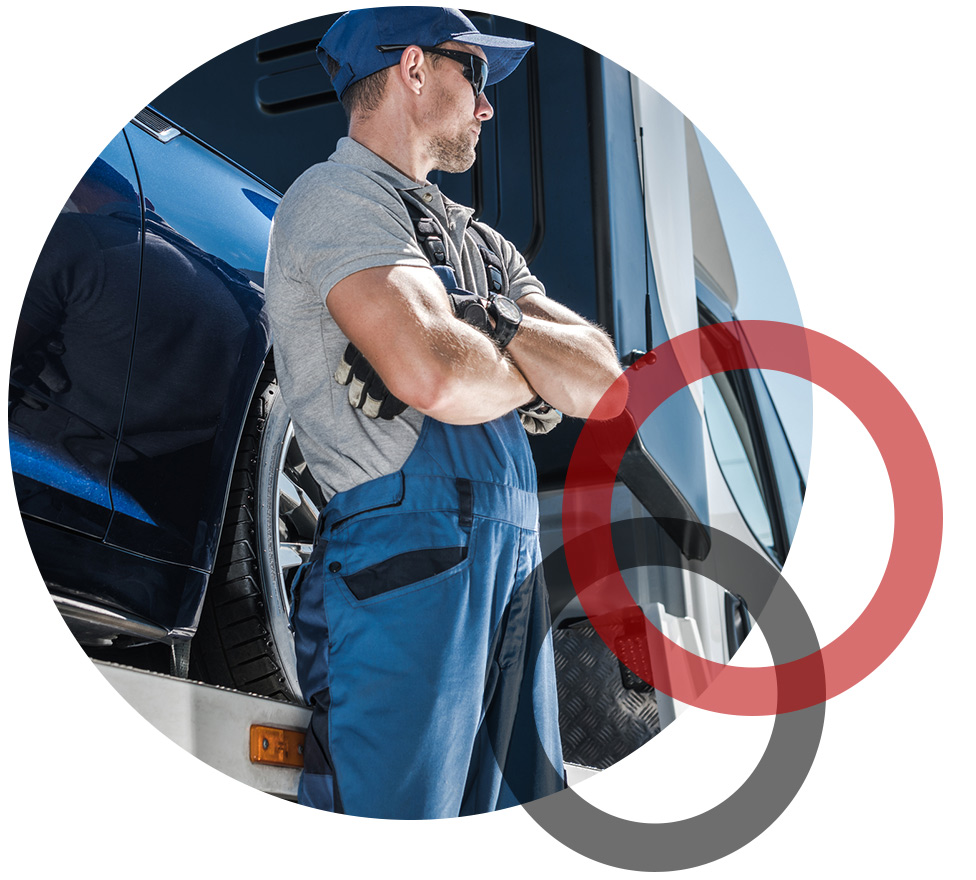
(507, 309)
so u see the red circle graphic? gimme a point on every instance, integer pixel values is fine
(916, 491)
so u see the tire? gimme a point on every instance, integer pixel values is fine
(243, 640)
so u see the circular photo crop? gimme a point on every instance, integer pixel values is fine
(299, 376)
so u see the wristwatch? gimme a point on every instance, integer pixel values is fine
(507, 317)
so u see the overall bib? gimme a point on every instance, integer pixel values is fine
(422, 635)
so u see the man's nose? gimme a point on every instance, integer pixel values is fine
(482, 109)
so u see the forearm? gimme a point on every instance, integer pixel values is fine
(469, 381)
(570, 365)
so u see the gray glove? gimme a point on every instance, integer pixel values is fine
(538, 417)
(366, 389)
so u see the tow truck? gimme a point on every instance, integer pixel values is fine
(602, 184)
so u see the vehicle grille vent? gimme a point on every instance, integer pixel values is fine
(151, 122)
(291, 77)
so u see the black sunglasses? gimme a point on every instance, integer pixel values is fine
(474, 68)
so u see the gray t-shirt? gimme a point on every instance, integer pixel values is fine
(340, 217)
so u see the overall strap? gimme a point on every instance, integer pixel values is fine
(494, 267)
(431, 242)
(428, 235)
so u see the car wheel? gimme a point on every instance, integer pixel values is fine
(243, 640)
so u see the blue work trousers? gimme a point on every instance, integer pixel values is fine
(422, 635)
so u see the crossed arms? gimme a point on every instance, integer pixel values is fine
(400, 319)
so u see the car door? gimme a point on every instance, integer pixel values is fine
(201, 337)
(72, 348)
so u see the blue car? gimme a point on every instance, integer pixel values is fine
(142, 423)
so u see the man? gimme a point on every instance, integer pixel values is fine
(421, 620)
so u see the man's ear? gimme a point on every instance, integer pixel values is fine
(413, 68)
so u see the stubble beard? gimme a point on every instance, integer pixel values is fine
(452, 154)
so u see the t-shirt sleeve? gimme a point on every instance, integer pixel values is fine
(335, 225)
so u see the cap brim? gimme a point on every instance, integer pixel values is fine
(503, 53)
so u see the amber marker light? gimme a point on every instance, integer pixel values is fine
(277, 746)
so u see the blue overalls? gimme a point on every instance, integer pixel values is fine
(422, 635)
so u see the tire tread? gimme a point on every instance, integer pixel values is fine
(232, 646)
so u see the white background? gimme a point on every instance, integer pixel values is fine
(850, 124)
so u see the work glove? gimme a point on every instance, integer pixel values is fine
(470, 308)
(467, 306)
(538, 417)
(366, 389)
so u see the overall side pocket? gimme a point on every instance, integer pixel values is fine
(394, 553)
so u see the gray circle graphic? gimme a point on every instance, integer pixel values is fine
(789, 755)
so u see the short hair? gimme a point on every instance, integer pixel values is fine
(365, 95)
(362, 96)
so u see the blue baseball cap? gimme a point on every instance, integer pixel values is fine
(354, 39)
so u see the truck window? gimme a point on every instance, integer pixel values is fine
(736, 454)
(750, 444)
